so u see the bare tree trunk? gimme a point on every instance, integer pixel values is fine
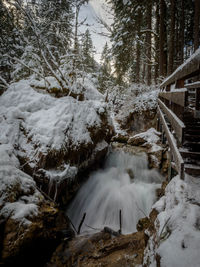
(148, 38)
(138, 48)
(157, 42)
(196, 25)
(182, 29)
(162, 60)
(172, 35)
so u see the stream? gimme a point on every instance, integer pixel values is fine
(125, 183)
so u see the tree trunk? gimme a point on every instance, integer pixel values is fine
(196, 24)
(157, 42)
(182, 29)
(148, 38)
(138, 48)
(172, 35)
(162, 60)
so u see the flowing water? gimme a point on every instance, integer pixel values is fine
(125, 183)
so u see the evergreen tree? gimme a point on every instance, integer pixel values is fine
(88, 52)
(11, 39)
(104, 77)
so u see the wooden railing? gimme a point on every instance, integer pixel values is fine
(174, 102)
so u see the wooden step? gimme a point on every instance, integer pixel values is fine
(192, 128)
(193, 131)
(191, 121)
(193, 138)
(193, 170)
(190, 154)
(192, 146)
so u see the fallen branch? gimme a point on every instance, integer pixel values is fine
(72, 224)
(81, 223)
(120, 222)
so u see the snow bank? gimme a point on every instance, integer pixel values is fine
(19, 197)
(177, 225)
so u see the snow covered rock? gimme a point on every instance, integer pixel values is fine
(135, 107)
(27, 220)
(151, 141)
(175, 241)
(151, 137)
(54, 138)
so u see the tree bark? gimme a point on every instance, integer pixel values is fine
(196, 25)
(157, 42)
(162, 43)
(138, 47)
(182, 29)
(148, 38)
(172, 37)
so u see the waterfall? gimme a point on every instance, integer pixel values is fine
(124, 183)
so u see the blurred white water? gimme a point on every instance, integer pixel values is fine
(113, 188)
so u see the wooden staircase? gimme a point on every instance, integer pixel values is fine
(179, 116)
(190, 150)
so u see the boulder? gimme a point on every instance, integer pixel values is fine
(101, 250)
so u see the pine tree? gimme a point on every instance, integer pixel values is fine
(88, 52)
(11, 41)
(104, 77)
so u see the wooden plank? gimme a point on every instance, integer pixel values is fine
(172, 144)
(188, 69)
(192, 85)
(177, 97)
(175, 122)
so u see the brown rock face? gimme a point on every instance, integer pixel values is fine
(32, 244)
(101, 250)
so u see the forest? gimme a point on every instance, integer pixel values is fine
(150, 39)
(100, 133)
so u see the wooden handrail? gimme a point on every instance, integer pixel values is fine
(178, 97)
(176, 123)
(172, 143)
(188, 69)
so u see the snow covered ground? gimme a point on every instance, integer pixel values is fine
(177, 226)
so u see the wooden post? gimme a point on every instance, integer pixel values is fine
(180, 83)
(120, 221)
(197, 103)
(163, 137)
(169, 174)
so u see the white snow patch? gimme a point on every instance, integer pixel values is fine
(150, 136)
